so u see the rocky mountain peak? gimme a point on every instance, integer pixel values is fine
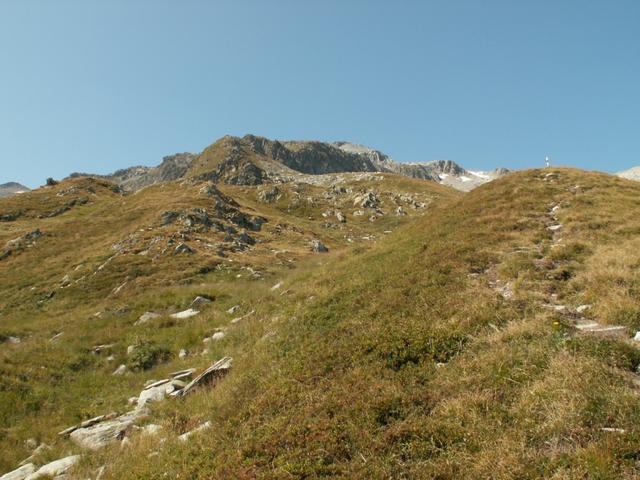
(11, 188)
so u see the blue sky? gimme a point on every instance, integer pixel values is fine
(99, 85)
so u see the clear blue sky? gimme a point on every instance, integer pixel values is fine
(99, 85)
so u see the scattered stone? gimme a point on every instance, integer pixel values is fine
(233, 309)
(587, 326)
(367, 200)
(97, 349)
(200, 300)
(131, 349)
(20, 473)
(154, 393)
(31, 443)
(583, 308)
(185, 436)
(151, 429)
(613, 430)
(67, 431)
(276, 286)
(132, 400)
(155, 383)
(178, 384)
(318, 247)
(637, 337)
(121, 370)
(14, 340)
(246, 239)
(119, 288)
(183, 373)
(183, 353)
(190, 312)
(400, 212)
(210, 375)
(101, 434)
(358, 213)
(239, 319)
(55, 468)
(217, 336)
(269, 195)
(147, 317)
(37, 452)
(56, 336)
(340, 217)
(98, 419)
(183, 248)
(100, 472)
(554, 228)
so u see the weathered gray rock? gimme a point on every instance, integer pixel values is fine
(55, 468)
(245, 239)
(217, 336)
(185, 436)
(366, 200)
(318, 247)
(154, 393)
(233, 309)
(20, 473)
(269, 195)
(121, 370)
(178, 384)
(340, 217)
(210, 376)
(147, 317)
(183, 248)
(582, 308)
(190, 312)
(199, 301)
(183, 353)
(101, 434)
(182, 374)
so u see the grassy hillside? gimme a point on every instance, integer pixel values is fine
(100, 262)
(435, 354)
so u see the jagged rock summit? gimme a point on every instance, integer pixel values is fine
(254, 160)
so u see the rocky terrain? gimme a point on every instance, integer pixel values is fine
(12, 188)
(279, 310)
(632, 173)
(253, 160)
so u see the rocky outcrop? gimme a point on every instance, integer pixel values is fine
(131, 179)
(94, 436)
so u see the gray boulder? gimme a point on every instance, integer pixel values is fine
(20, 473)
(318, 247)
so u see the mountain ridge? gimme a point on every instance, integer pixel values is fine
(255, 159)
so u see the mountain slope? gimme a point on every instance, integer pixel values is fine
(11, 188)
(81, 261)
(452, 349)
